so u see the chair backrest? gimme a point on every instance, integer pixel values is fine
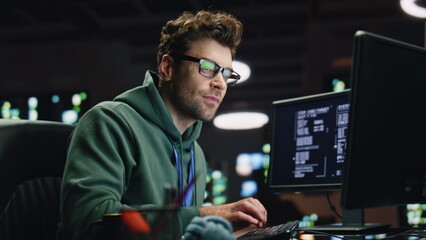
(32, 160)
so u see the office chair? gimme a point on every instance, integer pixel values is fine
(32, 159)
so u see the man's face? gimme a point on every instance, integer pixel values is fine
(193, 95)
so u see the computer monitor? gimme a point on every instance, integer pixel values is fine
(386, 156)
(308, 143)
(386, 140)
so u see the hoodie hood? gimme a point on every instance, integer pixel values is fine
(147, 101)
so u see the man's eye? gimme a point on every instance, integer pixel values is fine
(207, 65)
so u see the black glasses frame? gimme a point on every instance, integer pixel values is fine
(234, 76)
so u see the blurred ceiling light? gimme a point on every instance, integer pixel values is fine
(240, 120)
(243, 166)
(410, 7)
(241, 68)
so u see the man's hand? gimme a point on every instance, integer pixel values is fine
(248, 211)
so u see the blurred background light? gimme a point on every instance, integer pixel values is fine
(338, 85)
(32, 114)
(243, 69)
(248, 188)
(217, 174)
(412, 8)
(243, 166)
(69, 116)
(32, 102)
(76, 99)
(240, 120)
(55, 98)
(256, 161)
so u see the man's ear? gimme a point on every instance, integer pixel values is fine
(166, 67)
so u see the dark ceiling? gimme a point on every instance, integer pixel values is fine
(294, 47)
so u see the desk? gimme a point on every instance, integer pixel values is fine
(160, 219)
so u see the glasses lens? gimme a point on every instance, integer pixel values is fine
(208, 69)
(207, 65)
(226, 73)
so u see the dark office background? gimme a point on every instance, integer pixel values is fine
(294, 47)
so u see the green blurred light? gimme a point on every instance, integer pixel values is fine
(220, 181)
(208, 179)
(338, 85)
(83, 96)
(218, 189)
(7, 105)
(219, 200)
(266, 160)
(265, 173)
(266, 148)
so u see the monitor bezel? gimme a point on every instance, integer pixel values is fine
(354, 194)
(304, 187)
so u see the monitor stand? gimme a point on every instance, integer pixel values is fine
(353, 223)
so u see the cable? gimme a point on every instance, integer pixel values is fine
(332, 207)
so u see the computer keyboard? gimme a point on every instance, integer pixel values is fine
(279, 232)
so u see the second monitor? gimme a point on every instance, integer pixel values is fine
(309, 138)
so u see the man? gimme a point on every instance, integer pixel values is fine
(122, 153)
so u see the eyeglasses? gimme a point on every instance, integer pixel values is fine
(210, 69)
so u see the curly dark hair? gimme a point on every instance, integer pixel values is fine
(178, 34)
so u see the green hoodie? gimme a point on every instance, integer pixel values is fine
(120, 157)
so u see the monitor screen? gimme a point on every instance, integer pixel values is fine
(386, 155)
(308, 142)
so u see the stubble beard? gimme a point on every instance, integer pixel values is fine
(198, 111)
(191, 106)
